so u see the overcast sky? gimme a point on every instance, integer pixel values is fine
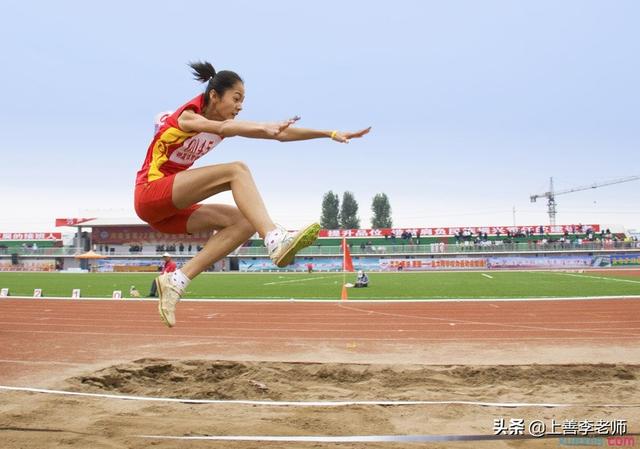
(473, 104)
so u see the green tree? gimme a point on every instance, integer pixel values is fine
(349, 212)
(330, 210)
(381, 212)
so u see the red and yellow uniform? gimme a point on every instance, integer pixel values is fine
(171, 151)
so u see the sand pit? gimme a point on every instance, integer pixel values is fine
(65, 421)
(335, 381)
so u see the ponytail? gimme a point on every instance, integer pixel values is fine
(220, 81)
(203, 71)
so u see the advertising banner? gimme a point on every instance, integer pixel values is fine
(423, 264)
(318, 264)
(625, 260)
(30, 264)
(526, 262)
(551, 262)
(452, 231)
(17, 236)
(125, 235)
(128, 265)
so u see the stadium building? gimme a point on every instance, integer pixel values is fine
(116, 245)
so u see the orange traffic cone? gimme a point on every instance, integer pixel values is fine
(344, 296)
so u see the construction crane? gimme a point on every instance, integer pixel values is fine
(551, 194)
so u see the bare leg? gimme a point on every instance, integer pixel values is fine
(234, 229)
(235, 226)
(192, 186)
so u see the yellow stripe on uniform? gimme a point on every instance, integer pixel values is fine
(169, 138)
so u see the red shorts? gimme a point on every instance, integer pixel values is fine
(154, 205)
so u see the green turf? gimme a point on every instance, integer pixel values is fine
(328, 285)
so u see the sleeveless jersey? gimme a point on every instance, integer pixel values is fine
(173, 150)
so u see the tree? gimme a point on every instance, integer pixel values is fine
(381, 212)
(330, 208)
(349, 212)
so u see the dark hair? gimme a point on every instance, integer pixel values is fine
(220, 81)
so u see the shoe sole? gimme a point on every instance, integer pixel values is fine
(306, 238)
(162, 315)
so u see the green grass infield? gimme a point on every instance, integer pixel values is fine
(449, 285)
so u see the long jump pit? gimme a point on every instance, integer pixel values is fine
(303, 374)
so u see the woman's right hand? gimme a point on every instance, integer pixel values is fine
(273, 129)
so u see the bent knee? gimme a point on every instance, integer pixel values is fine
(240, 167)
(248, 231)
(235, 218)
(247, 228)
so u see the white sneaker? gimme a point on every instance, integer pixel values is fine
(284, 250)
(168, 298)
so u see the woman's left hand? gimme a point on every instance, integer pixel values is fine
(344, 137)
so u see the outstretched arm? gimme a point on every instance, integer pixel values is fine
(290, 134)
(189, 121)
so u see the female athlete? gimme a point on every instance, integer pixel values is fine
(167, 191)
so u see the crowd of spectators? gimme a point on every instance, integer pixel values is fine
(173, 248)
(463, 240)
(180, 248)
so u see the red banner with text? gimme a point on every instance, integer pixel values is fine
(16, 236)
(452, 231)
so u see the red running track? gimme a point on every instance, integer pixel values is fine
(44, 340)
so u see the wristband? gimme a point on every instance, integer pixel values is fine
(333, 134)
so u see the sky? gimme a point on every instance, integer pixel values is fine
(474, 105)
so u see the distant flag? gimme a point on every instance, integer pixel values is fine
(71, 221)
(347, 262)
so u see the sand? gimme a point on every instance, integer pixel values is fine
(46, 421)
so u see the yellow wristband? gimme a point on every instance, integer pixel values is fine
(333, 134)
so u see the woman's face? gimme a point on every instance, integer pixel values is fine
(230, 105)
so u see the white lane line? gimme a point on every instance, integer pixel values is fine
(485, 323)
(41, 362)
(348, 438)
(217, 338)
(372, 299)
(327, 439)
(349, 327)
(328, 326)
(270, 403)
(599, 277)
(487, 276)
(294, 280)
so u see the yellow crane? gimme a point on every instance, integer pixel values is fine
(551, 194)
